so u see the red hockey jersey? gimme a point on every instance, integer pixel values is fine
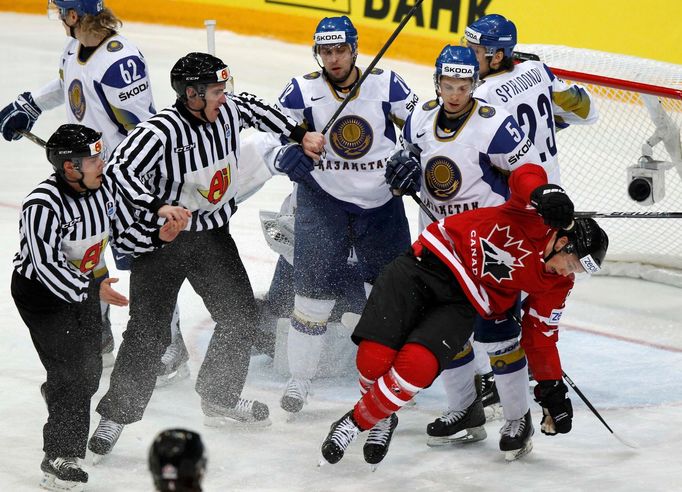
(497, 252)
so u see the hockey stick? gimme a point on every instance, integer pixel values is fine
(369, 69)
(631, 215)
(32, 137)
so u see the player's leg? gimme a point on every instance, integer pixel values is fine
(217, 274)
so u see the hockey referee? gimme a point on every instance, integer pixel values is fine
(183, 162)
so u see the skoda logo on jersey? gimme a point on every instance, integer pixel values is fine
(458, 71)
(351, 137)
(486, 111)
(77, 99)
(332, 37)
(443, 178)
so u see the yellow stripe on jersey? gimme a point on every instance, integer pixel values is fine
(575, 100)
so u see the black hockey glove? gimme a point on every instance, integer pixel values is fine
(293, 162)
(557, 411)
(403, 173)
(553, 204)
(19, 115)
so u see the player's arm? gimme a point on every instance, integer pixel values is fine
(509, 148)
(125, 93)
(572, 103)
(24, 111)
(42, 232)
(401, 98)
(540, 332)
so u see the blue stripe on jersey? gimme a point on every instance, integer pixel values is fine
(291, 96)
(309, 119)
(130, 68)
(503, 142)
(549, 72)
(398, 90)
(107, 107)
(389, 132)
(407, 129)
(495, 179)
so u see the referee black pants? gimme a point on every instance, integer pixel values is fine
(67, 338)
(209, 260)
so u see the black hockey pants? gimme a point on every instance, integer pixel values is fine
(209, 260)
(67, 338)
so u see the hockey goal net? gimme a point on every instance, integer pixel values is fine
(639, 101)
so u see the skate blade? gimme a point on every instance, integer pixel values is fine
(473, 434)
(50, 482)
(374, 467)
(519, 453)
(322, 462)
(179, 374)
(218, 422)
(493, 412)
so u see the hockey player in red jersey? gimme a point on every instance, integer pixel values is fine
(421, 310)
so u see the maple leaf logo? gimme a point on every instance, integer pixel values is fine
(502, 254)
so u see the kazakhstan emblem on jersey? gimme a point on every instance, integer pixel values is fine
(443, 178)
(486, 111)
(429, 105)
(312, 75)
(77, 99)
(351, 137)
(114, 46)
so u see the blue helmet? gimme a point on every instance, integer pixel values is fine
(458, 62)
(82, 7)
(494, 32)
(336, 30)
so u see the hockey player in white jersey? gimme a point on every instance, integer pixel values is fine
(104, 84)
(460, 153)
(342, 200)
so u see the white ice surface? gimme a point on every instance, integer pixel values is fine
(622, 342)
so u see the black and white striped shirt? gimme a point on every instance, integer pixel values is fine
(64, 233)
(174, 158)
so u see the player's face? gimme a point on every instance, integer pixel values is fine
(92, 169)
(564, 264)
(215, 98)
(456, 93)
(483, 64)
(337, 60)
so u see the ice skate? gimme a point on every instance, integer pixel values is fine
(487, 392)
(104, 438)
(341, 434)
(379, 439)
(458, 426)
(295, 395)
(175, 363)
(62, 474)
(250, 413)
(515, 438)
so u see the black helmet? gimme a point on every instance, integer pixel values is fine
(177, 460)
(71, 143)
(588, 242)
(198, 70)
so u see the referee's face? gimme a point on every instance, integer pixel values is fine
(215, 98)
(92, 169)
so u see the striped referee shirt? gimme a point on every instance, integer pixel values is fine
(174, 158)
(63, 235)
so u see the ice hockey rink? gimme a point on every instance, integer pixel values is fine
(621, 339)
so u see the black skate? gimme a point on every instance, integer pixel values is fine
(486, 388)
(174, 363)
(250, 413)
(104, 438)
(458, 426)
(295, 395)
(379, 439)
(341, 434)
(62, 474)
(515, 439)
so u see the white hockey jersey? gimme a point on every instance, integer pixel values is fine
(466, 170)
(541, 104)
(361, 139)
(110, 92)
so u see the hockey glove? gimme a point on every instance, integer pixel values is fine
(20, 115)
(403, 173)
(293, 162)
(557, 411)
(553, 204)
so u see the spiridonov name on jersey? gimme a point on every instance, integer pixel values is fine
(519, 84)
(329, 165)
(450, 208)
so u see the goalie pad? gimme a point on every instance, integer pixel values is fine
(278, 230)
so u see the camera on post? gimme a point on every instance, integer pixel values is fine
(646, 180)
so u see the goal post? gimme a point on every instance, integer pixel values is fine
(637, 136)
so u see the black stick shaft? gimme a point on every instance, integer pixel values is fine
(369, 69)
(32, 137)
(587, 402)
(631, 215)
